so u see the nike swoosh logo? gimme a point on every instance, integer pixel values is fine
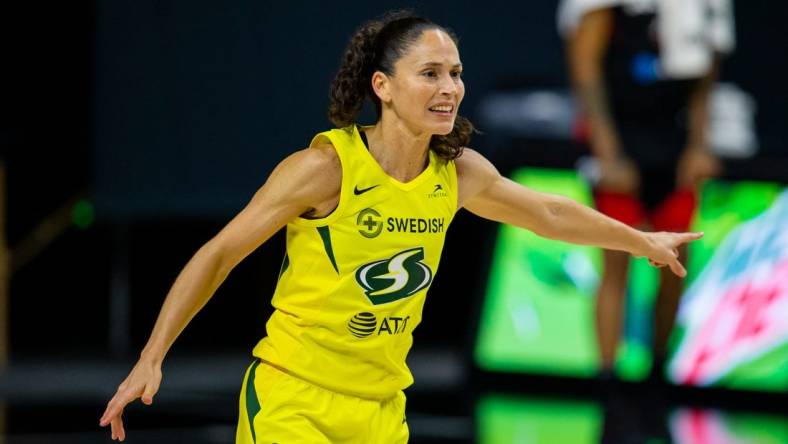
(356, 191)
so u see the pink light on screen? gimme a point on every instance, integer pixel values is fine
(749, 319)
(702, 427)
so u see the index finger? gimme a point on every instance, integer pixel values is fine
(689, 237)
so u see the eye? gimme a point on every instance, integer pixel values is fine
(456, 74)
(429, 73)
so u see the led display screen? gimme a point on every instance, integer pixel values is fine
(538, 309)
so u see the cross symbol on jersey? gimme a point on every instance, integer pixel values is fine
(369, 223)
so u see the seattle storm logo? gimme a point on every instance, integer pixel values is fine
(395, 278)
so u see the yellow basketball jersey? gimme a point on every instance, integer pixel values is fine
(352, 285)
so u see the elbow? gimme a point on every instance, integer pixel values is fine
(218, 256)
(556, 207)
(555, 214)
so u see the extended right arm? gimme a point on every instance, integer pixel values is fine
(308, 181)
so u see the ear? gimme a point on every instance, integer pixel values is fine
(381, 85)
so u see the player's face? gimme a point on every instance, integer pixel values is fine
(426, 88)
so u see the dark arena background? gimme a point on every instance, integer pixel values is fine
(132, 131)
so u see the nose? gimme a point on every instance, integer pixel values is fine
(447, 86)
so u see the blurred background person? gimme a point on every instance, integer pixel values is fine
(642, 71)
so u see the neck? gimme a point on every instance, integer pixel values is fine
(402, 153)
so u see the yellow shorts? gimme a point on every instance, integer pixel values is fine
(276, 407)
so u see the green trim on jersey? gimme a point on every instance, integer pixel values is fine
(252, 403)
(283, 268)
(325, 234)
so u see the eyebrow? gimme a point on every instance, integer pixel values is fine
(430, 64)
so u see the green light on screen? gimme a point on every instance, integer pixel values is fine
(510, 420)
(83, 214)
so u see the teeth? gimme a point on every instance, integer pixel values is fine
(442, 108)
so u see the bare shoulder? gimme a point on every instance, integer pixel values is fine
(313, 176)
(474, 174)
(320, 158)
(471, 162)
(323, 154)
(317, 165)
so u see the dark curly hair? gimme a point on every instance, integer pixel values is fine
(376, 46)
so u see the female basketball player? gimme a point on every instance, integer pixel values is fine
(366, 210)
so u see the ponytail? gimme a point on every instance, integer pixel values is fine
(351, 85)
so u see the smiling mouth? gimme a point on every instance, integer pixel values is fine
(444, 110)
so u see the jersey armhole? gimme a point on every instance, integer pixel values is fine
(454, 183)
(322, 139)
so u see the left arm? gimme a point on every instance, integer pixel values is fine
(484, 192)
